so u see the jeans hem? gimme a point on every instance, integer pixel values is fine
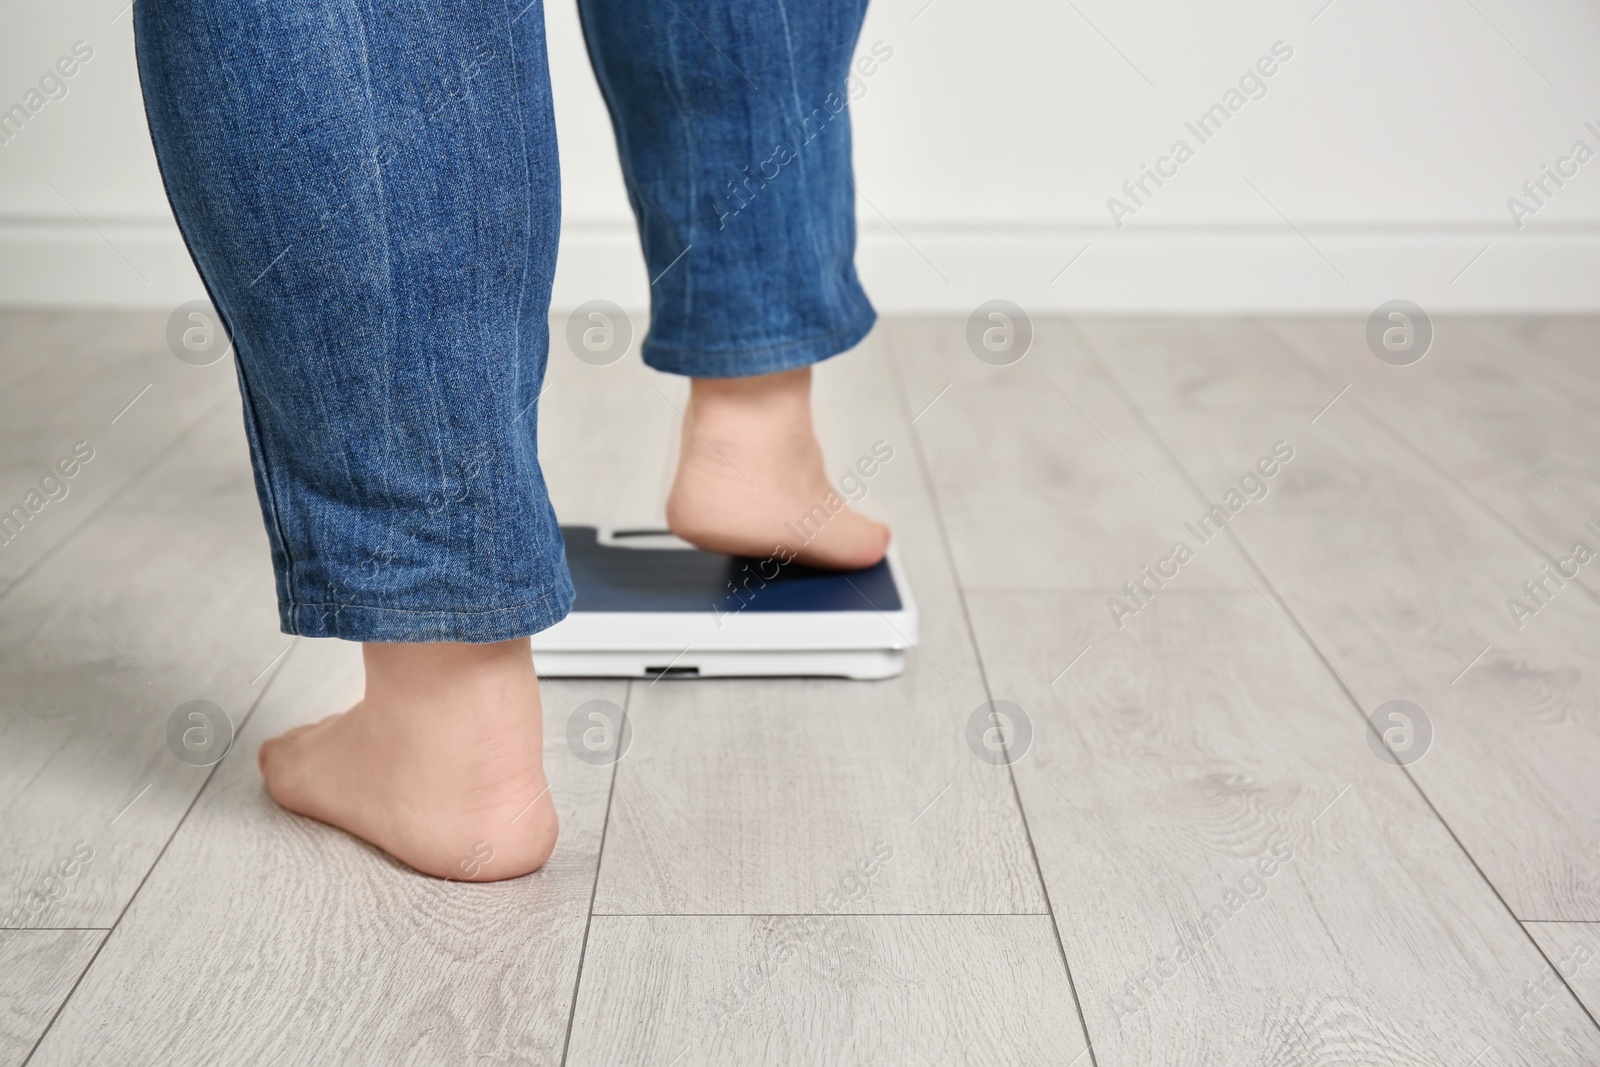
(769, 359)
(363, 622)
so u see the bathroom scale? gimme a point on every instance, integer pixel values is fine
(652, 606)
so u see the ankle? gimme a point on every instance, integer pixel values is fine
(760, 398)
(422, 672)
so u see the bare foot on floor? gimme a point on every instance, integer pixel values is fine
(751, 477)
(440, 764)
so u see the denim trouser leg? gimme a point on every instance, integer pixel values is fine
(735, 145)
(369, 190)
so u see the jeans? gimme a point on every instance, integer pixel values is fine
(370, 191)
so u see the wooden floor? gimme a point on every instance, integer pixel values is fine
(1200, 858)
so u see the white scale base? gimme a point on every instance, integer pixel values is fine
(801, 624)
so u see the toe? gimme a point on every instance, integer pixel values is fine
(271, 760)
(274, 749)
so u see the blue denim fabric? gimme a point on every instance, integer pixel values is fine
(735, 145)
(370, 192)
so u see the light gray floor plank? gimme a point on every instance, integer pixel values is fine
(69, 377)
(262, 937)
(1044, 479)
(1573, 950)
(1180, 754)
(1528, 448)
(876, 989)
(759, 796)
(30, 337)
(165, 597)
(1401, 580)
(37, 970)
(605, 434)
(1558, 348)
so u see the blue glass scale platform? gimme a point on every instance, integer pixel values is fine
(650, 605)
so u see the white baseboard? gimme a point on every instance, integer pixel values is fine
(1218, 270)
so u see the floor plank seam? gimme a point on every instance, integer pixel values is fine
(1288, 615)
(891, 355)
(594, 889)
(1562, 975)
(211, 773)
(818, 914)
(1208, 590)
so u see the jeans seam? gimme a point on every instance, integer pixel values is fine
(513, 58)
(253, 432)
(735, 353)
(433, 611)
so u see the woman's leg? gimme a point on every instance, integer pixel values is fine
(732, 128)
(369, 190)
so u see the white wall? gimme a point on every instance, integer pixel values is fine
(1377, 165)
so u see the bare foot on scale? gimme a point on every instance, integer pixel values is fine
(441, 763)
(750, 473)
